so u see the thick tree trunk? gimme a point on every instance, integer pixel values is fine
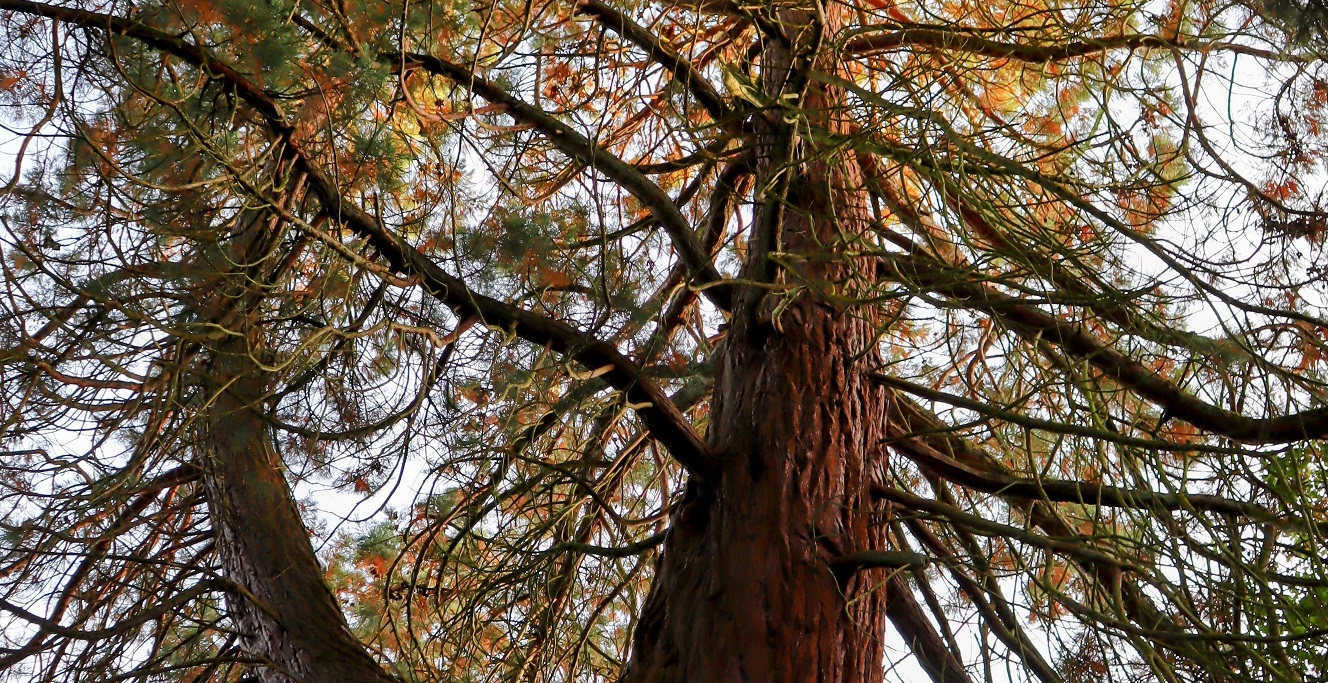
(744, 590)
(281, 604)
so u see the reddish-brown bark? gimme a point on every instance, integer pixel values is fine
(744, 590)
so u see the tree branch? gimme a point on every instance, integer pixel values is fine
(660, 52)
(600, 551)
(1069, 547)
(877, 559)
(908, 618)
(665, 422)
(927, 446)
(953, 41)
(997, 612)
(55, 628)
(577, 146)
(1137, 605)
(1032, 323)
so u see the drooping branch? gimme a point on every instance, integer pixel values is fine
(658, 50)
(955, 41)
(917, 447)
(1014, 417)
(911, 419)
(941, 246)
(802, 424)
(48, 626)
(1065, 546)
(1032, 323)
(124, 519)
(570, 142)
(665, 422)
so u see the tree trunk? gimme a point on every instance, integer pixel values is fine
(743, 590)
(285, 612)
(283, 607)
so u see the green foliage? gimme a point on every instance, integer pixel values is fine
(1075, 236)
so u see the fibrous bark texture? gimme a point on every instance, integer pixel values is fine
(744, 590)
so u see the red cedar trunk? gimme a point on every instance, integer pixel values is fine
(281, 604)
(743, 590)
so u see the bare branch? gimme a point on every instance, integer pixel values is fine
(577, 146)
(665, 422)
(1032, 323)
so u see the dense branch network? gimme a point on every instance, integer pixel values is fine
(480, 266)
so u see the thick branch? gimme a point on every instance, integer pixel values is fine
(1033, 323)
(926, 644)
(665, 422)
(903, 610)
(657, 50)
(876, 559)
(952, 41)
(577, 146)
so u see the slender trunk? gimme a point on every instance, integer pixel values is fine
(283, 607)
(743, 590)
(280, 603)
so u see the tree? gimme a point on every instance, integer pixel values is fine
(672, 342)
